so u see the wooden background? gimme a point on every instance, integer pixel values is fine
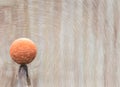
(78, 41)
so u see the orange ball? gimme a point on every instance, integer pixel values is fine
(23, 51)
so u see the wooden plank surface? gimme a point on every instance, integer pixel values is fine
(77, 40)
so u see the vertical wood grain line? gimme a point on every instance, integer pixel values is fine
(116, 40)
(99, 44)
(78, 48)
(56, 22)
(96, 39)
(85, 22)
(90, 42)
(110, 75)
(67, 23)
(49, 49)
(118, 44)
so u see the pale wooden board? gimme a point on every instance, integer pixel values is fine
(78, 41)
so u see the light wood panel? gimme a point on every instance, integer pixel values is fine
(78, 42)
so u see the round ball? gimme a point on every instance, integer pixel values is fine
(23, 51)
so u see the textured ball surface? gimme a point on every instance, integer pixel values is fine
(23, 51)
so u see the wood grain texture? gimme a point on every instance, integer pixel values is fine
(78, 42)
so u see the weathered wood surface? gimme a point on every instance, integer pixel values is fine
(78, 41)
